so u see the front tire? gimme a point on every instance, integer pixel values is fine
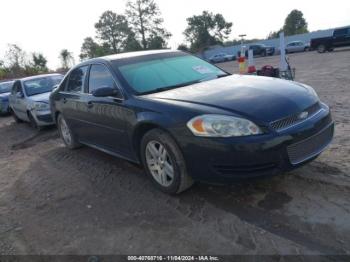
(66, 133)
(164, 162)
(33, 123)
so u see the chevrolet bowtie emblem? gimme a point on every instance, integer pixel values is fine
(303, 115)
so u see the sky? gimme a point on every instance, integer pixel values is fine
(48, 26)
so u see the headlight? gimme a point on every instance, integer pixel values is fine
(41, 106)
(222, 126)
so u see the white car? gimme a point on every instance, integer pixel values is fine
(29, 99)
(297, 46)
(221, 57)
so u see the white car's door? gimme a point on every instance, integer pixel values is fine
(299, 47)
(17, 101)
(289, 47)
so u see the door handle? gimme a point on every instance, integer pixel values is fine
(90, 104)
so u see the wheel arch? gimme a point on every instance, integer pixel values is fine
(141, 129)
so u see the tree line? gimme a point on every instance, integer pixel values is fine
(140, 27)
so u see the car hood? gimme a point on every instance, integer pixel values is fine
(44, 97)
(258, 98)
(5, 96)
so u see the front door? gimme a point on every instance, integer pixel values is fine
(106, 115)
(17, 101)
(341, 37)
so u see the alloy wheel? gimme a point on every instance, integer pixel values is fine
(66, 135)
(159, 163)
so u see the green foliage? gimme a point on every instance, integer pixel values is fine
(15, 60)
(67, 59)
(206, 29)
(131, 44)
(295, 23)
(39, 63)
(183, 47)
(274, 34)
(17, 64)
(113, 30)
(146, 22)
(92, 49)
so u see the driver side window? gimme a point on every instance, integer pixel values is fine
(99, 77)
(17, 88)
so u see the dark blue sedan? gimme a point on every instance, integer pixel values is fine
(186, 120)
(5, 91)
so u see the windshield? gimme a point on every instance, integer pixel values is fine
(41, 85)
(6, 87)
(166, 71)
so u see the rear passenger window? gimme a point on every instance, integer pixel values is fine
(100, 77)
(77, 79)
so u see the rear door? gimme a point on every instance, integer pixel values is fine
(106, 114)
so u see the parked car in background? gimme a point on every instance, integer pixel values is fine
(259, 50)
(340, 38)
(5, 90)
(187, 120)
(29, 99)
(297, 46)
(222, 57)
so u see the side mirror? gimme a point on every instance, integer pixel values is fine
(106, 91)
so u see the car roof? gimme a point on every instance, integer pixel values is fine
(137, 53)
(39, 76)
(126, 55)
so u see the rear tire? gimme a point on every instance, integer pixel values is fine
(321, 49)
(164, 162)
(68, 137)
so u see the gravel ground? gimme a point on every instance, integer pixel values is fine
(57, 201)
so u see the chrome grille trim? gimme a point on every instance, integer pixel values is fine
(293, 120)
(311, 146)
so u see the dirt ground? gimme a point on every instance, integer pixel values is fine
(57, 201)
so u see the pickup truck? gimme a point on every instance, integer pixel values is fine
(340, 37)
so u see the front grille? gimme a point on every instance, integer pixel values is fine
(294, 119)
(310, 147)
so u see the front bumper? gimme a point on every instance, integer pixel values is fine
(4, 107)
(220, 160)
(43, 118)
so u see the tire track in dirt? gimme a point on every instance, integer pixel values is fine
(102, 173)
